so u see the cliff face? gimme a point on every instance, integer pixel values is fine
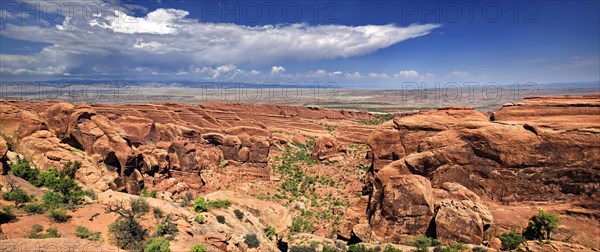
(540, 149)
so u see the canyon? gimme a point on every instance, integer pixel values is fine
(453, 173)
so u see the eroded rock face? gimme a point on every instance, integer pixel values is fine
(526, 151)
(328, 149)
(401, 204)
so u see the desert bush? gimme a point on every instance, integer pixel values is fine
(126, 232)
(238, 214)
(541, 226)
(159, 244)
(221, 219)
(300, 225)
(139, 205)
(70, 168)
(166, 227)
(34, 208)
(64, 190)
(511, 240)
(18, 196)
(219, 203)
(480, 249)
(59, 215)
(6, 214)
(157, 213)
(329, 248)
(270, 232)
(199, 219)
(359, 248)
(422, 243)
(84, 233)
(23, 170)
(198, 248)
(389, 248)
(200, 205)
(377, 119)
(36, 232)
(302, 248)
(252, 241)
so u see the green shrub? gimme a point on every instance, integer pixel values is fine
(219, 204)
(252, 241)
(511, 240)
(198, 248)
(200, 205)
(6, 215)
(167, 227)
(140, 205)
(17, 195)
(34, 208)
(389, 248)
(145, 193)
(359, 248)
(52, 200)
(157, 213)
(377, 119)
(221, 219)
(422, 243)
(64, 190)
(70, 168)
(159, 244)
(36, 232)
(199, 219)
(328, 248)
(59, 215)
(300, 225)
(84, 233)
(23, 170)
(238, 214)
(270, 232)
(126, 232)
(541, 226)
(480, 249)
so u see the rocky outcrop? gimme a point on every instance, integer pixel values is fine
(328, 149)
(3, 158)
(524, 151)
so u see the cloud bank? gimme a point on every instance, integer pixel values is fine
(167, 41)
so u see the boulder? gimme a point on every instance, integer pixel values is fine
(328, 149)
(401, 204)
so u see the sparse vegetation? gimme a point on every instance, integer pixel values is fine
(541, 226)
(359, 248)
(202, 205)
(18, 196)
(157, 213)
(84, 233)
(198, 248)
(270, 232)
(145, 193)
(6, 214)
(158, 244)
(511, 240)
(300, 225)
(422, 243)
(251, 241)
(377, 119)
(59, 215)
(34, 208)
(36, 232)
(166, 227)
(199, 219)
(126, 232)
(389, 248)
(480, 249)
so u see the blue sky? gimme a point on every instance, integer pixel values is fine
(352, 43)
